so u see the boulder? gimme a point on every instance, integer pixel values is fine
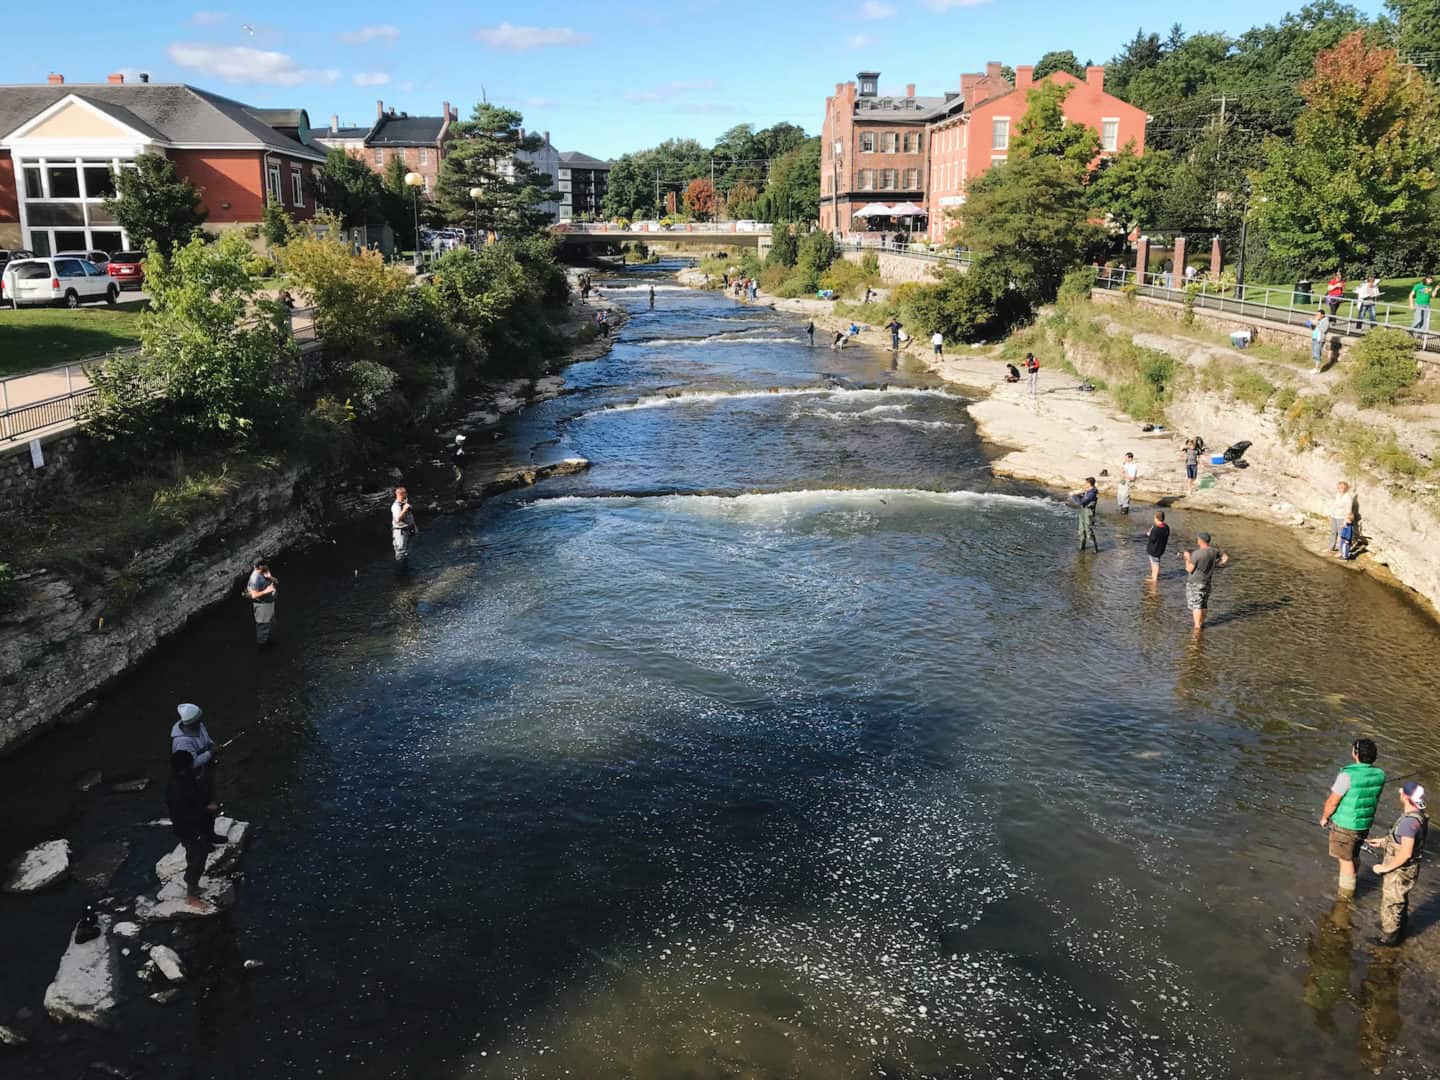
(84, 986)
(169, 904)
(167, 960)
(171, 867)
(97, 866)
(164, 997)
(42, 865)
(90, 780)
(127, 929)
(11, 1037)
(131, 785)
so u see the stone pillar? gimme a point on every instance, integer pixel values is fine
(1177, 260)
(1142, 258)
(1215, 257)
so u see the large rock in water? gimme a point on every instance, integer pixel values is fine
(42, 865)
(84, 986)
(223, 856)
(169, 904)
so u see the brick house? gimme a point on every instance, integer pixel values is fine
(418, 141)
(956, 138)
(61, 146)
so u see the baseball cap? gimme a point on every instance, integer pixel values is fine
(189, 714)
(1203, 536)
(1415, 792)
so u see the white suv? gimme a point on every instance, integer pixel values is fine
(68, 281)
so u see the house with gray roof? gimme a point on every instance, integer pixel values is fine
(418, 141)
(62, 145)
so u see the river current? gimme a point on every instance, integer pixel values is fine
(786, 742)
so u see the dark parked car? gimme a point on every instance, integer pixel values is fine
(125, 269)
(94, 258)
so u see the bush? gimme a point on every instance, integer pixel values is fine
(848, 278)
(1146, 393)
(815, 252)
(784, 248)
(870, 263)
(1252, 388)
(1382, 367)
(352, 294)
(1076, 286)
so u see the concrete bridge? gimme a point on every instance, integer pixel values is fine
(696, 234)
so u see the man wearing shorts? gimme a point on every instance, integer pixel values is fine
(937, 342)
(1200, 564)
(1350, 809)
(1192, 462)
(1156, 540)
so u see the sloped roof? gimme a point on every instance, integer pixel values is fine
(584, 161)
(897, 109)
(405, 131)
(174, 114)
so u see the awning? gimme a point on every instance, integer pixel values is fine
(873, 209)
(908, 209)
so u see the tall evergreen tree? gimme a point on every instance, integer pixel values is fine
(483, 155)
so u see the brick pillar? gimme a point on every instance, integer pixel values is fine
(1177, 262)
(1215, 257)
(1142, 258)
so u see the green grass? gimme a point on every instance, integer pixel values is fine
(41, 337)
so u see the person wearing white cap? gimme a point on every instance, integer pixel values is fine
(1404, 846)
(189, 734)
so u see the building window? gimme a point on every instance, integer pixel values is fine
(998, 159)
(379, 156)
(272, 187)
(297, 187)
(912, 179)
(1109, 134)
(887, 179)
(888, 142)
(912, 142)
(867, 87)
(867, 142)
(867, 179)
(424, 156)
(1000, 133)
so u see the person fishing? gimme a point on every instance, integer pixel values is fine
(457, 465)
(192, 816)
(652, 297)
(1350, 809)
(1086, 503)
(810, 332)
(402, 526)
(1404, 847)
(261, 590)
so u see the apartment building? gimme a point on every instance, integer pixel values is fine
(418, 141)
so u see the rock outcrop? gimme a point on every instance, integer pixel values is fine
(84, 986)
(42, 865)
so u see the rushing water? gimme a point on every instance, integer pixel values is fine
(787, 742)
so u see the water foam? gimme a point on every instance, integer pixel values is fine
(701, 397)
(603, 287)
(787, 504)
(719, 340)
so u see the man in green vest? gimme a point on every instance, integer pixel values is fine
(1350, 808)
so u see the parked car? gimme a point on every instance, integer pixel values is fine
(96, 258)
(125, 268)
(56, 280)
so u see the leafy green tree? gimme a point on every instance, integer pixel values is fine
(1064, 60)
(793, 190)
(276, 226)
(1359, 176)
(483, 154)
(352, 294)
(1417, 32)
(351, 189)
(1043, 132)
(500, 294)
(154, 206)
(1143, 52)
(1131, 188)
(784, 246)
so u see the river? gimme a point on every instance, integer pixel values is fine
(786, 742)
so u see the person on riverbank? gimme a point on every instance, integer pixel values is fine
(1192, 463)
(894, 327)
(937, 345)
(810, 332)
(1128, 472)
(1157, 539)
(1366, 296)
(457, 465)
(1342, 509)
(1404, 847)
(261, 590)
(1420, 297)
(402, 525)
(1319, 329)
(1087, 504)
(1347, 539)
(1012, 373)
(602, 320)
(1350, 808)
(1335, 293)
(1200, 564)
(192, 817)
(1032, 374)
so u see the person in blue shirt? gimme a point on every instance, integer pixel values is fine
(1404, 846)
(1087, 502)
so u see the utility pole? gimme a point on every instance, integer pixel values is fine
(657, 192)
(714, 195)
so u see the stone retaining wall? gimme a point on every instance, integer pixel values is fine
(21, 484)
(896, 267)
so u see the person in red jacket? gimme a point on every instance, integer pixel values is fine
(1335, 292)
(1032, 372)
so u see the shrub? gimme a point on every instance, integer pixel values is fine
(1076, 286)
(870, 263)
(784, 248)
(815, 252)
(1252, 388)
(352, 293)
(847, 278)
(1382, 366)
(1146, 393)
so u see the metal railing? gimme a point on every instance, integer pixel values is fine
(918, 248)
(55, 410)
(1291, 306)
(706, 227)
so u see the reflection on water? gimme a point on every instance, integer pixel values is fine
(785, 742)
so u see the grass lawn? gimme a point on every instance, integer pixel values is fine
(41, 337)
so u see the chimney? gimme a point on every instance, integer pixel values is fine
(116, 78)
(334, 123)
(56, 80)
(444, 110)
(379, 110)
(144, 76)
(547, 138)
(967, 88)
(1024, 77)
(992, 69)
(910, 89)
(1095, 77)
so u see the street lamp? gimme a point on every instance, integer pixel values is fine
(475, 196)
(835, 189)
(415, 182)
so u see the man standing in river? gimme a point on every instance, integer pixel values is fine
(1350, 809)
(1404, 847)
(894, 327)
(1087, 502)
(1200, 564)
(1128, 472)
(402, 525)
(261, 591)
(1157, 538)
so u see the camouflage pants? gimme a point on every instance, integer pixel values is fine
(1395, 892)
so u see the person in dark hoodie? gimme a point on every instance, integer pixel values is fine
(189, 734)
(191, 816)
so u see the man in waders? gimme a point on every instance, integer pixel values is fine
(1086, 503)
(261, 591)
(1350, 809)
(1404, 846)
(402, 526)
(190, 735)
(191, 816)
(457, 465)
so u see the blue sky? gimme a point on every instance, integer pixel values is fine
(602, 78)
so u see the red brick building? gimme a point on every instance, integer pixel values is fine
(894, 149)
(61, 146)
(418, 141)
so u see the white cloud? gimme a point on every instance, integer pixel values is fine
(513, 38)
(239, 64)
(370, 78)
(946, 5)
(209, 18)
(370, 33)
(861, 41)
(874, 10)
(668, 91)
(540, 102)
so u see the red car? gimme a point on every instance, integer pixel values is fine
(125, 269)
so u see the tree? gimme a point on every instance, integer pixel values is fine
(1417, 31)
(1058, 61)
(1131, 189)
(276, 226)
(792, 192)
(1142, 53)
(1043, 132)
(700, 199)
(1358, 178)
(154, 206)
(351, 189)
(352, 294)
(784, 247)
(740, 203)
(483, 154)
